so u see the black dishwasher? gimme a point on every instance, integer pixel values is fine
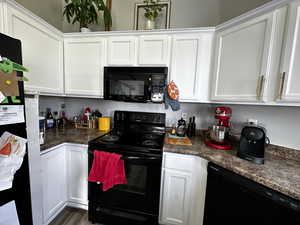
(233, 199)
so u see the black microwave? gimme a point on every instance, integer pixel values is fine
(135, 84)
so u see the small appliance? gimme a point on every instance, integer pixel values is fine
(252, 144)
(135, 84)
(218, 134)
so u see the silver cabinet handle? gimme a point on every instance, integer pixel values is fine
(260, 87)
(281, 86)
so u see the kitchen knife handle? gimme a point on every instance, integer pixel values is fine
(281, 86)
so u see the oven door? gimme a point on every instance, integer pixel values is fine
(140, 194)
(126, 86)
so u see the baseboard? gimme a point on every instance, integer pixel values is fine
(56, 214)
(77, 205)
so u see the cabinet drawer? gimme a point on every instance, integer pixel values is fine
(178, 162)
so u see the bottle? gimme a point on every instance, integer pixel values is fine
(189, 129)
(49, 119)
(56, 119)
(173, 131)
(63, 119)
(193, 129)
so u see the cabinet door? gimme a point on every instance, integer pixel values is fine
(121, 51)
(191, 56)
(154, 50)
(42, 50)
(289, 89)
(84, 66)
(54, 182)
(242, 60)
(1, 18)
(176, 197)
(77, 175)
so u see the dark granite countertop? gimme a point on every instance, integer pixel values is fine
(281, 171)
(56, 137)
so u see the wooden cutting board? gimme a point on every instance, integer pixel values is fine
(177, 140)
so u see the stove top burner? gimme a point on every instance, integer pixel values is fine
(150, 143)
(150, 137)
(110, 138)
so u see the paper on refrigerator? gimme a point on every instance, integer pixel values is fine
(8, 214)
(12, 151)
(11, 114)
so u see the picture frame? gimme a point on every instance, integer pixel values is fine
(163, 21)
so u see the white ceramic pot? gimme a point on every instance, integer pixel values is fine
(150, 24)
(85, 30)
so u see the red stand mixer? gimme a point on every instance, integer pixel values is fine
(218, 133)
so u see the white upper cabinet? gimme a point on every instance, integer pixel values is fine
(42, 50)
(84, 60)
(1, 18)
(245, 58)
(154, 50)
(289, 87)
(121, 51)
(190, 65)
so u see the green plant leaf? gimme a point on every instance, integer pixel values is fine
(85, 12)
(24, 79)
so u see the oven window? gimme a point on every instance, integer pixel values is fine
(127, 87)
(136, 176)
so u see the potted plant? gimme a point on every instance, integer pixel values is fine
(85, 12)
(152, 10)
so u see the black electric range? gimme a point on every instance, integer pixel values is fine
(139, 138)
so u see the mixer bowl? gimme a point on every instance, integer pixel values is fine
(218, 133)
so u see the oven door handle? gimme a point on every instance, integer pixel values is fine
(139, 158)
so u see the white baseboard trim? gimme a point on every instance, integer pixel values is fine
(55, 214)
(78, 205)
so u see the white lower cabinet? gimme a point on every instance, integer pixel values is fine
(54, 182)
(182, 190)
(65, 174)
(77, 175)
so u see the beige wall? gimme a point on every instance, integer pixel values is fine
(49, 10)
(184, 13)
(233, 8)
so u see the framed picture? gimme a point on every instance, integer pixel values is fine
(162, 21)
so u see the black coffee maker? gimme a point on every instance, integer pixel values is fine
(252, 144)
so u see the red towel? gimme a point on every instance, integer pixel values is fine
(107, 168)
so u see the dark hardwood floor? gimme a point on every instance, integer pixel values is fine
(71, 216)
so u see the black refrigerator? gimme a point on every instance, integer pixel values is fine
(20, 191)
